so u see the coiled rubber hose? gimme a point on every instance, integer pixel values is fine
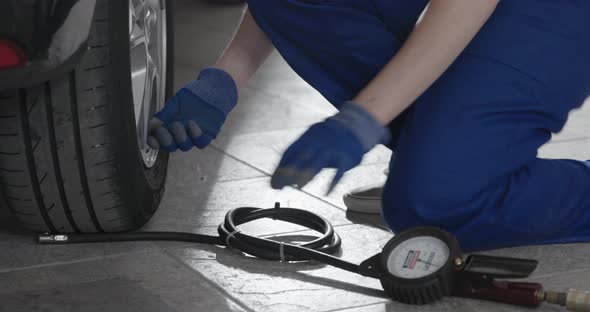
(319, 249)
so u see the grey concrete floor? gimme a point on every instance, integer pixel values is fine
(203, 185)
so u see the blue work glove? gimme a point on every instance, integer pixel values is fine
(338, 142)
(195, 114)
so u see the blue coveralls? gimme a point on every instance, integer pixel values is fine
(466, 150)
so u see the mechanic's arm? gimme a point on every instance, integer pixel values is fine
(196, 113)
(443, 32)
(246, 52)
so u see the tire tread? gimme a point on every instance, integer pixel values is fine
(60, 161)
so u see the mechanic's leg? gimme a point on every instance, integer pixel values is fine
(466, 161)
(336, 46)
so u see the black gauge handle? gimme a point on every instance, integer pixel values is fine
(371, 267)
(499, 267)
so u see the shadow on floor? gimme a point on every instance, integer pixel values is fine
(291, 270)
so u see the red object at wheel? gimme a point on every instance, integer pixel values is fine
(11, 55)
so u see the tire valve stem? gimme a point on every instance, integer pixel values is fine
(573, 300)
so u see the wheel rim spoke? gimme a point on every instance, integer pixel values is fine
(147, 41)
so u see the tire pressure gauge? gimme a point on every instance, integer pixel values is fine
(418, 266)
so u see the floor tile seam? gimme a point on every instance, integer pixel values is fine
(154, 248)
(282, 97)
(262, 175)
(357, 307)
(220, 150)
(262, 170)
(210, 282)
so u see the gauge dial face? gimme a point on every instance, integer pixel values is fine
(418, 257)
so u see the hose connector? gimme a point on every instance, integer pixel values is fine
(573, 300)
(578, 300)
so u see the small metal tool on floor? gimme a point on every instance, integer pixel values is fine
(418, 266)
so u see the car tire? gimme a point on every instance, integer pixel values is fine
(70, 158)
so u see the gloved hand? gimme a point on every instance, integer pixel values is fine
(194, 115)
(338, 142)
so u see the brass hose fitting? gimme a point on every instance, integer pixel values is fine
(573, 300)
